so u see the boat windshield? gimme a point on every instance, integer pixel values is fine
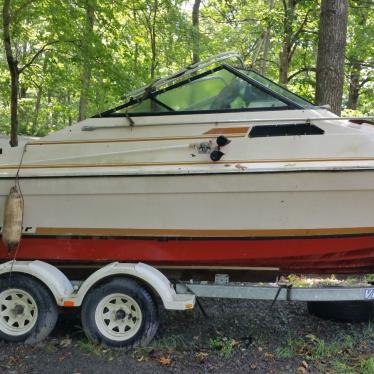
(221, 89)
(276, 88)
(216, 91)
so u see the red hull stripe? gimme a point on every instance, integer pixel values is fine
(333, 254)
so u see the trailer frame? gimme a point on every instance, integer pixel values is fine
(137, 284)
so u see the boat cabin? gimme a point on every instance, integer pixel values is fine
(179, 124)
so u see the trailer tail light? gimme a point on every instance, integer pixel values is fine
(69, 303)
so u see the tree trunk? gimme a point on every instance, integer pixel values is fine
(354, 87)
(38, 99)
(195, 32)
(152, 30)
(86, 73)
(14, 108)
(22, 92)
(14, 75)
(70, 119)
(331, 49)
(136, 48)
(265, 50)
(154, 56)
(284, 63)
(49, 117)
(285, 55)
(37, 109)
(83, 99)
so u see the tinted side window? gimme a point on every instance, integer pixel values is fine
(285, 130)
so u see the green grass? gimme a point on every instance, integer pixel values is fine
(293, 347)
(367, 366)
(338, 367)
(87, 346)
(284, 352)
(323, 350)
(334, 357)
(224, 345)
(167, 344)
(298, 281)
(172, 342)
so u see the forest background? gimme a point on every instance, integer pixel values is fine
(76, 58)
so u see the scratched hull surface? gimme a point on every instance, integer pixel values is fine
(300, 255)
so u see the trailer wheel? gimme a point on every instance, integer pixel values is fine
(342, 311)
(28, 312)
(120, 313)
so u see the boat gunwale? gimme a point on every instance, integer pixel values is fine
(238, 164)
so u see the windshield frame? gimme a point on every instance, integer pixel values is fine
(152, 95)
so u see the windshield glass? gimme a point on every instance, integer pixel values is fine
(219, 90)
(145, 106)
(277, 88)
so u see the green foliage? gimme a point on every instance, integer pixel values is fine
(172, 342)
(88, 347)
(224, 345)
(134, 41)
(367, 366)
(336, 356)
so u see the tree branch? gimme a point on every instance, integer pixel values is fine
(364, 81)
(303, 70)
(36, 55)
(301, 28)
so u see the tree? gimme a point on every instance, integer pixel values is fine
(195, 32)
(292, 31)
(14, 72)
(331, 50)
(103, 49)
(360, 50)
(266, 42)
(89, 6)
(30, 54)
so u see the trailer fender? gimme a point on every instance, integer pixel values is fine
(49, 275)
(148, 275)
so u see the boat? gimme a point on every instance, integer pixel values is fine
(213, 167)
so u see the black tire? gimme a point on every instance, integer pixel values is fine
(342, 311)
(98, 330)
(45, 311)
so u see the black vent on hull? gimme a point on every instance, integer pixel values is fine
(285, 130)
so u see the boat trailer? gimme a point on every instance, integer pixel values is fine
(119, 302)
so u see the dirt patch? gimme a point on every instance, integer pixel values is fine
(238, 336)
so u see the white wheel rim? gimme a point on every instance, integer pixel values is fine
(118, 317)
(18, 312)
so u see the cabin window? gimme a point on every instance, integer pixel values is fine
(285, 130)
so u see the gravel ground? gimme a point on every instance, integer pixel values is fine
(237, 337)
